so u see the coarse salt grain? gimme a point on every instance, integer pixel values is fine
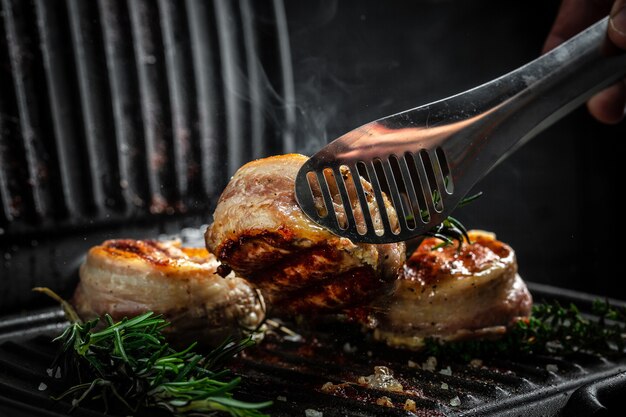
(348, 348)
(430, 364)
(455, 402)
(409, 405)
(446, 371)
(42, 387)
(281, 398)
(385, 402)
(295, 338)
(309, 412)
(413, 364)
(444, 385)
(476, 363)
(381, 379)
(552, 367)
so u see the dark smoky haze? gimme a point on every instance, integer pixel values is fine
(555, 200)
(125, 119)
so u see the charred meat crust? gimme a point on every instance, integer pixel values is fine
(430, 266)
(319, 278)
(261, 233)
(353, 287)
(453, 293)
(154, 253)
(267, 246)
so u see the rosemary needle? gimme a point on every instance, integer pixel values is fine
(551, 329)
(451, 229)
(130, 363)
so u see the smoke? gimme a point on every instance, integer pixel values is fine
(319, 100)
(313, 115)
(316, 103)
(307, 115)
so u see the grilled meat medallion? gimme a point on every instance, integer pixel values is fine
(451, 294)
(260, 232)
(129, 277)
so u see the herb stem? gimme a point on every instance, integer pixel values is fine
(129, 361)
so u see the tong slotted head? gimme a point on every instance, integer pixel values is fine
(425, 160)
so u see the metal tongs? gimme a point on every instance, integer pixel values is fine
(428, 158)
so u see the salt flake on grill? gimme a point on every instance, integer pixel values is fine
(381, 379)
(348, 348)
(412, 364)
(446, 371)
(409, 405)
(385, 402)
(552, 367)
(430, 364)
(476, 363)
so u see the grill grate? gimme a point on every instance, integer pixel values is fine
(296, 368)
(125, 119)
(111, 109)
(292, 372)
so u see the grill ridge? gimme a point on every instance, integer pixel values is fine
(178, 68)
(292, 373)
(120, 109)
(122, 87)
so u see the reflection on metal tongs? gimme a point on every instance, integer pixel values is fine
(427, 159)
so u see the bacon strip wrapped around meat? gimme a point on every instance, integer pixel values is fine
(127, 277)
(261, 233)
(451, 294)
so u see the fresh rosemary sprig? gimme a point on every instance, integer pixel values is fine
(451, 229)
(129, 361)
(551, 329)
(447, 231)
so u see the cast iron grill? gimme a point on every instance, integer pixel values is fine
(292, 372)
(127, 118)
(112, 108)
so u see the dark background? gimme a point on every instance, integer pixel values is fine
(127, 118)
(555, 201)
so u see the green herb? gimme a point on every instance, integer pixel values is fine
(447, 231)
(451, 229)
(551, 329)
(130, 362)
(467, 200)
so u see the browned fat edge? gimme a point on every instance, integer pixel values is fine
(143, 249)
(281, 239)
(303, 259)
(428, 266)
(270, 267)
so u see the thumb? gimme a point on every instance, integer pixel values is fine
(617, 24)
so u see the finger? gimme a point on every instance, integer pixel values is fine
(574, 16)
(617, 24)
(609, 105)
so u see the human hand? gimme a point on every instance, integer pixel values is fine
(609, 105)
